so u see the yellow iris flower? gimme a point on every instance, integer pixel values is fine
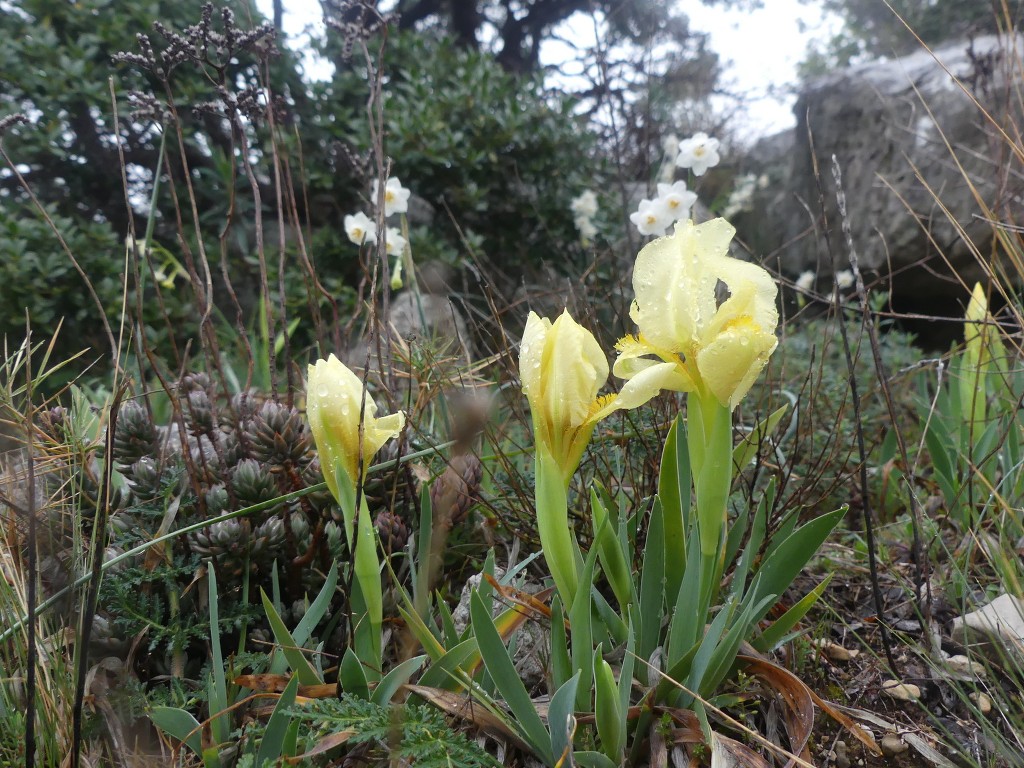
(333, 396)
(698, 344)
(562, 368)
(980, 339)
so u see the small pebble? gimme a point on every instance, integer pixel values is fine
(982, 701)
(841, 759)
(835, 651)
(901, 691)
(964, 666)
(892, 745)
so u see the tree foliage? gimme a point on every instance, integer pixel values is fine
(516, 29)
(468, 123)
(93, 173)
(872, 28)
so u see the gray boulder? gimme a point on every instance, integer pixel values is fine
(906, 135)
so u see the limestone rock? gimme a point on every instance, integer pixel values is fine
(531, 644)
(840, 756)
(982, 701)
(882, 122)
(997, 627)
(429, 318)
(429, 321)
(963, 668)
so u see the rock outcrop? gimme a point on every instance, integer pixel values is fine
(918, 142)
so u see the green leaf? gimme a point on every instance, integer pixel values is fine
(757, 534)
(626, 670)
(444, 672)
(561, 665)
(737, 529)
(295, 658)
(273, 743)
(317, 609)
(724, 655)
(706, 649)
(652, 585)
(423, 634)
(746, 449)
(291, 739)
(942, 463)
(594, 760)
(779, 568)
(352, 676)
(424, 553)
(613, 559)
(449, 634)
(674, 493)
(219, 690)
(774, 635)
(398, 676)
(560, 710)
(688, 619)
(180, 725)
(582, 639)
(611, 725)
(610, 618)
(506, 678)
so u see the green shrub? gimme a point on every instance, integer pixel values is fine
(494, 154)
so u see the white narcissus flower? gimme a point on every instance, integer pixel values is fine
(670, 146)
(585, 227)
(360, 228)
(698, 153)
(677, 198)
(741, 195)
(131, 244)
(394, 242)
(653, 217)
(396, 197)
(844, 279)
(698, 343)
(585, 204)
(805, 282)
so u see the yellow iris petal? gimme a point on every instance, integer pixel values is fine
(678, 281)
(333, 396)
(562, 368)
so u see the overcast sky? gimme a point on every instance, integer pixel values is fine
(759, 49)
